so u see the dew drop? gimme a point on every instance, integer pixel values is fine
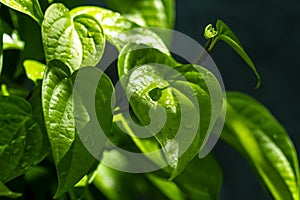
(16, 150)
(90, 34)
(93, 143)
(69, 116)
(275, 136)
(36, 154)
(85, 139)
(24, 164)
(28, 147)
(189, 124)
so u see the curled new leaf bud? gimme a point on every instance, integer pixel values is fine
(210, 31)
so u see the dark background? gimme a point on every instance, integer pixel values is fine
(269, 30)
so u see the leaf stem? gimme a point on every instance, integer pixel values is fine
(209, 45)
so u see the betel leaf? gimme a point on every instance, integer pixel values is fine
(57, 108)
(168, 188)
(1, 46)
(120, 30)
(202, 179)
(114, 185)
(225, 34)
(12, 41)
(184, 97)
(91, 37)
(34, 70)
(22, 141)
(257, 135)
(68, 151)
(5, 192)
(11, 37)
(75, 40)
(134, 54)
(152, 13)
(29, 7)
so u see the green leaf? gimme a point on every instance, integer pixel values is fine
(226, 35)
(202, 179)
(5, 192)
(77, 41)
(133, 55)
(184, 91)
(92, 39)
(257, 135)
(76, 164)
(194, 183)
(152, 13)
(69, 4)
(29, 7)
(119, 30)
(10, 37)
(34, 70)
(57, 108)
(22, 141)
(1, 46)
(12, 41)
(168, 188)
(114, 184)
(60, 118)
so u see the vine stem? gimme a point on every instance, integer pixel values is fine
(209, 45)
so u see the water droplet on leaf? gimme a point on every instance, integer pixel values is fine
(93, 143)
(275, 136)
(85, 139)
(16, 150)
(24, 164)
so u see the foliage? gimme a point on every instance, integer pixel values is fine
(43, 127)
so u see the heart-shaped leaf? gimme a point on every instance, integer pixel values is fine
(23, 143)
(183, 94)
(60, 115)
(75, 40)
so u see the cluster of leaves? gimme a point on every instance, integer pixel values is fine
(40, 124)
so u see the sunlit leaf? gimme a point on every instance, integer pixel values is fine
(29, 7)
(34, 69)
(5, 192)
(68, 151)
(119, 30)
(257, 135)
(152, 13)
(75, 40)
(181, 136)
